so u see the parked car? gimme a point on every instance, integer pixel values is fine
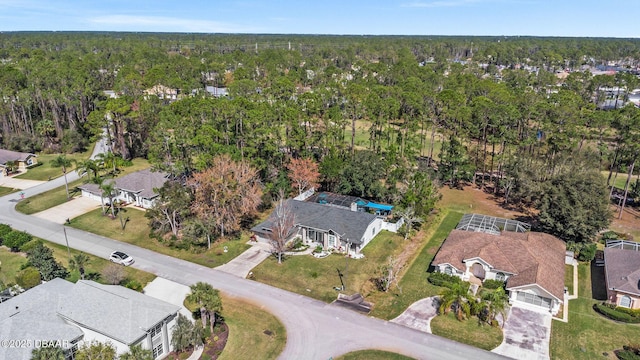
(119, 257)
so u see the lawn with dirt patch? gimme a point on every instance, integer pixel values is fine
(373, 355)
(470, 332)
(589, 335)
(137, 230)
(306, 275)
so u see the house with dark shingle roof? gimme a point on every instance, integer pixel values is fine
(622, 273)
(331, 227)
(21, 161)
(532, 264)
(136, 188)
(70, 315)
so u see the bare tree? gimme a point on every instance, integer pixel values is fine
(113, 274)
(410, 218)
(389, 274)
(282, 227)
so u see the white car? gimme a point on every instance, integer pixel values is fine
(119, 257)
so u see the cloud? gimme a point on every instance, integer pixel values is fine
(170, 24)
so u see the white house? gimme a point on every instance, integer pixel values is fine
(136, 188)
(531, 264)
(69, 315)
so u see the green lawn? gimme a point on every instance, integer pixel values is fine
(45, 171)
(137, 233)
(46, 200)
(5, 190)
(373, 355)
(620, 179)
(568, 278)
(414, 283)
(469, 332)
(317, 278)
(253, 333)
(11, 263)
(589, 335)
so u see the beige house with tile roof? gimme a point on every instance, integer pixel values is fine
(531, 263)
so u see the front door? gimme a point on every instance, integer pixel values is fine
(478, 271)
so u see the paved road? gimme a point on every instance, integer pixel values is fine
(315, 330)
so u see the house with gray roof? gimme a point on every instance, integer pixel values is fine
(21, 161)
(69, 315)
(136, 188)
(331, 227)
(622, 273)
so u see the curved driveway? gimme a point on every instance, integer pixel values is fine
(315, 330)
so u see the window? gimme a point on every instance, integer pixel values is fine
(625, 301)
(501, 276)
(332, 241)
(448, 270)
(158, 350)
(156, 331)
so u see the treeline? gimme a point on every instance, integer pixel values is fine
(371, 111)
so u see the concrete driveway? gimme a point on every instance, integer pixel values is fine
(526, 335)
(72, 208)
(169, 291)
(242, 264)
(21, 184)
(418, 316)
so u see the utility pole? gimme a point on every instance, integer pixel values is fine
(64, 229)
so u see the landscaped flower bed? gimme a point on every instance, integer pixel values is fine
(617, 313)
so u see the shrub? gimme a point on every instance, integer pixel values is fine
(616, 314)
(629, 352)
(4, 230)
(610, 235)
(442, 279)
(15, 239)
(134, 285)
(30, 245)
(492, 284)
(28, 278)
(587, 252)
(318, 249)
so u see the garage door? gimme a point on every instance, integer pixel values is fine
(534, 299)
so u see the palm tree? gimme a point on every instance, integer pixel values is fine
(108, 159)
(47, 353)
(497, 301)
(108, 190)
(185, 334)
(64, 163)
(136, 352)
(209, 300)
(78, 262)
(87, 166)
(456, 298)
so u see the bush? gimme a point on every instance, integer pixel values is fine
(442, 279)
(30, 245)
(610, 235)
(28, 278)
(133, 285)
(617, 313)
(492, 284)
(15, 239)
(4, 230)
(587, 252)
(629, 352)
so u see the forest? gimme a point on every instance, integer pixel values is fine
(388, 118)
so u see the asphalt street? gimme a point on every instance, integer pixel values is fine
(315, 330)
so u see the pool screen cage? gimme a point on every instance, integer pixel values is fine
(491, 224)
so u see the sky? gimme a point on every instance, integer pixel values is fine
(576, 18)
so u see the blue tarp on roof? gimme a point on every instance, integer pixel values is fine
(376, 206)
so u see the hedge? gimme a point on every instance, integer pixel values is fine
(617, 313)
(442, 279)
(492, 284)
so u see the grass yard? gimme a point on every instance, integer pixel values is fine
(469, 332)
(317, 278)
(5, 190)
(414, 282)
(249, 327)
(46, 172)
(372, 355)
(620, 178)
(10, 264)
(589, 335)
(137, 233)
(568, 278)
(46, 200)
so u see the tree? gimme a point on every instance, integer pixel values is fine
(136, 352)
(171, 209)
(78, 262)
(89, 166)
(304, 173)
(225, 193)
(185, 334)
(410, 218)
(209, 300)
(389, 274)
(62, 162)
(420, 193)
(48, 353)
(29, 277)
(113, 274)
(108, 190)
(41, 257)
(15, 239)
(496, 303)
(283, 223)
(96, 350)
(458, 299)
